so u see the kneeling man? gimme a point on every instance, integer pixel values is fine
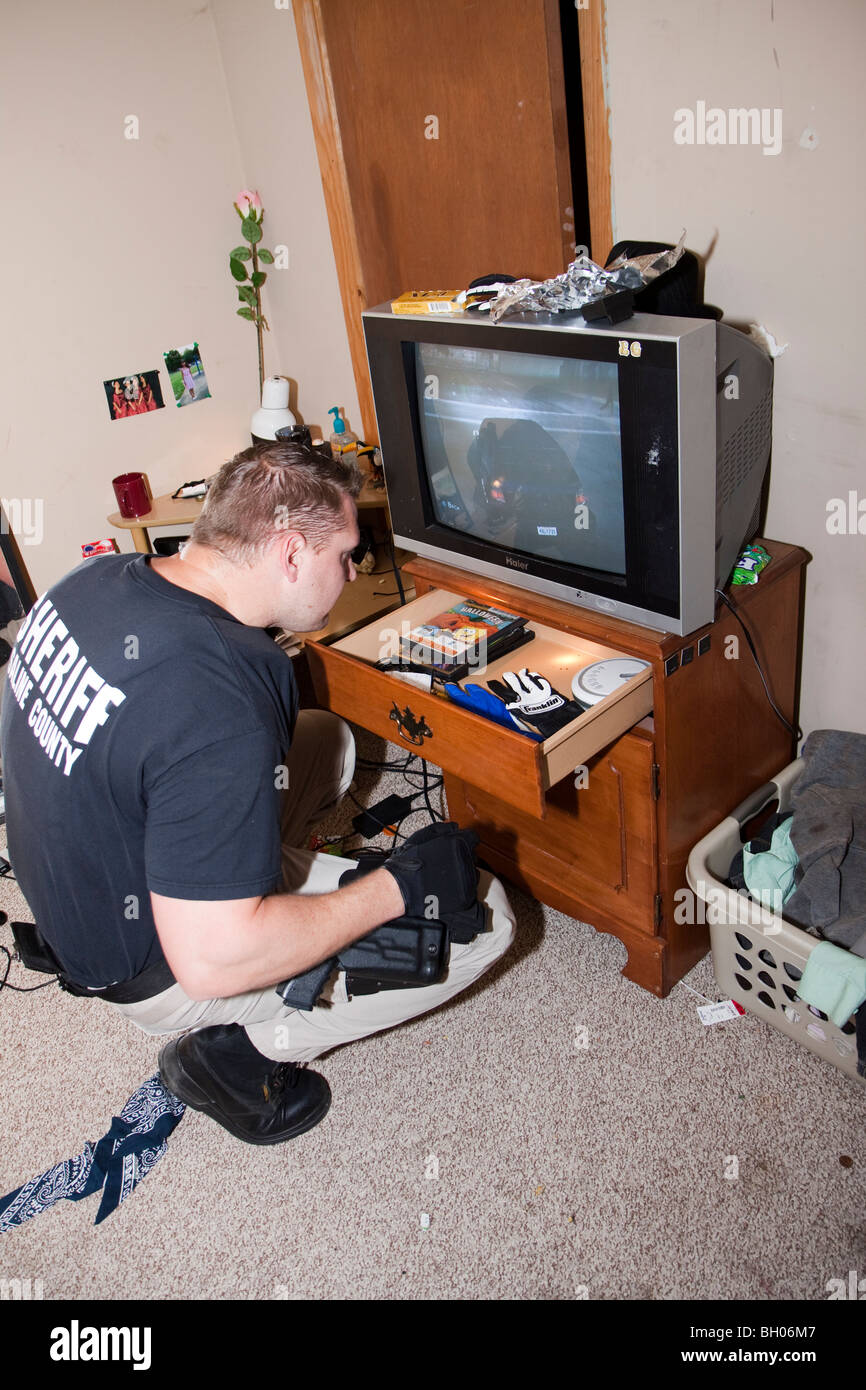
(159, 782)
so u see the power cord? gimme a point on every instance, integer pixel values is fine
(20, 989)
(798, 732)
(428, 787)
(372, 765)
(395, 566)
(408, 772)
(395, 824)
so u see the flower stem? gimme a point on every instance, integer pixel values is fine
(259, 327)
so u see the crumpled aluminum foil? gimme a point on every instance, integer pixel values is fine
(582, 283)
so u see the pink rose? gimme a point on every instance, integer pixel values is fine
(249, 203)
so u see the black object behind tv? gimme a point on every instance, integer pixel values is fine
(621, 471)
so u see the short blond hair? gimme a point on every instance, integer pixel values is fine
(272, 488)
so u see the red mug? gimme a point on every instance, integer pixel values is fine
(130, 489)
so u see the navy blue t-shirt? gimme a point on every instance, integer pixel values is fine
(143, 728)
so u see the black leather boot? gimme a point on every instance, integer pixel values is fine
(218, 1070)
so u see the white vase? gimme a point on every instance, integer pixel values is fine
(274, 413)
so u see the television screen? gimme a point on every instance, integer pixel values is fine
(524, 451)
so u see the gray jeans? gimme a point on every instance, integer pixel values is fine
(321, 762)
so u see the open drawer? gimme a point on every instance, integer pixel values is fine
(513, 768)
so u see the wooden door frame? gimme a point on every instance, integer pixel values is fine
(592, 30)
(335, 183)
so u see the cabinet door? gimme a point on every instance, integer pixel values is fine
(594, 854)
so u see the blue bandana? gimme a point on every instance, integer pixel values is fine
(137, 1140)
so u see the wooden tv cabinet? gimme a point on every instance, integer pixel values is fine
(608, 847)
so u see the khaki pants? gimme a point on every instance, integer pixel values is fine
(321, 762)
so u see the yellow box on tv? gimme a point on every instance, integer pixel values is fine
(427, 302)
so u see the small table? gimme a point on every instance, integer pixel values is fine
(183, 511)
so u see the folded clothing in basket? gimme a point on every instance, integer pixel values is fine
(827, 830)
(767, 865)
(827, 850)
(834, 981)
(829, 835)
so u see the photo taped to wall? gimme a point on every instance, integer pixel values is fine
(186, 374)
(135, 394)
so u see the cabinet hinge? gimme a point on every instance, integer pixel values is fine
(656, 770)
(657, 910)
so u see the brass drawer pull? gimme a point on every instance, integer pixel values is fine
(411, 729)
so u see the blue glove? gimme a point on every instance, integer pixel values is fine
(483, 702)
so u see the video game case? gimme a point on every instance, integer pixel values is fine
(458, 670)
(457, 635)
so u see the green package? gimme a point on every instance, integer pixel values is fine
(753, 559)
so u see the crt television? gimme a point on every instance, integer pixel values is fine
(617, 468)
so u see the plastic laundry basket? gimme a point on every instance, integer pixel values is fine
(758, 956)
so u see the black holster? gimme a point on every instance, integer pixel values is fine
(33, 951)
(402, 954)
(407, 953)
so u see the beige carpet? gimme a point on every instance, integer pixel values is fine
(564, 1171)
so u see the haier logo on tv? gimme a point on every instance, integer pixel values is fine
(516, 564)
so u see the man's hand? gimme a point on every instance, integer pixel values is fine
(435, 870)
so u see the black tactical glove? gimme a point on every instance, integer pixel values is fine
(435, 870)
(532, 699)
(438, 879)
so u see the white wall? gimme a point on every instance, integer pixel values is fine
(784, 235)
(265, 82)
(117, 249)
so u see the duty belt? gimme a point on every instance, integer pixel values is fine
(37, 954)
(153, 980)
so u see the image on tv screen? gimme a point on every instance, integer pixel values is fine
(524, 451)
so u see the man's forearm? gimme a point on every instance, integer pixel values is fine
(317, 927)
(282, 936)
